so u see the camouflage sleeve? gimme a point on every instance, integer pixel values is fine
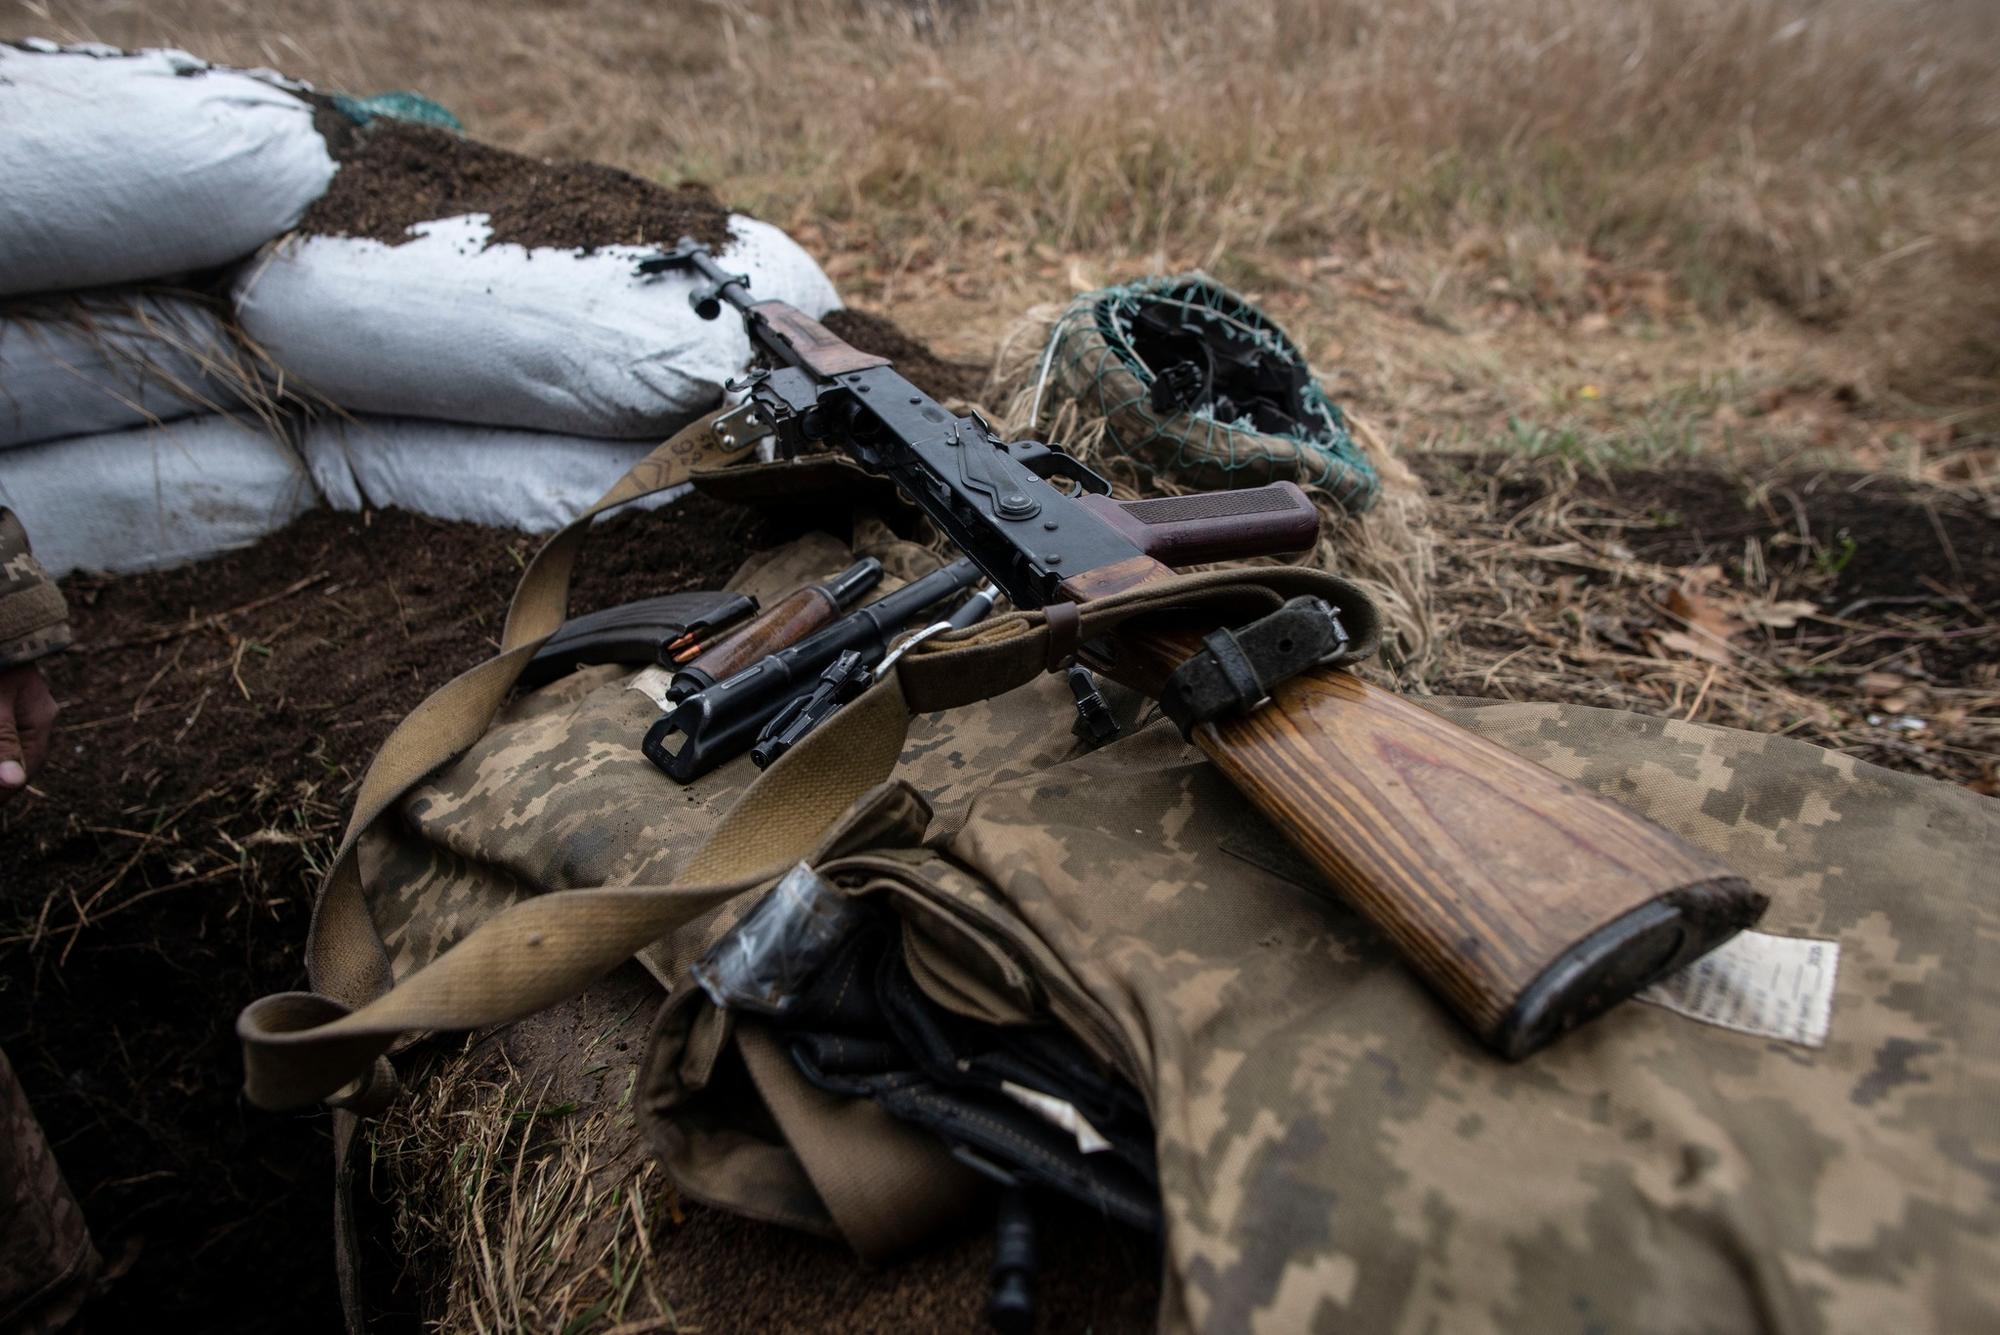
(33, 618)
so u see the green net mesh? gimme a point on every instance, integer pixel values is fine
(1208, 439)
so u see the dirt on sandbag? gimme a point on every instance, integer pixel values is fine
(395, 174)
(935, 376)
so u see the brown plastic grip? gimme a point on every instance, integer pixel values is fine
(1214, 525)
(779, 626)
(1526, 902)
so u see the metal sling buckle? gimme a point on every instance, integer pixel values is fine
(911, 642)
(1236, 669)
(741, 427)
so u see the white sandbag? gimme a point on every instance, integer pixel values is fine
(117, 168)
(155, 496)
(110, 360)
(447, 327)
(531, 480)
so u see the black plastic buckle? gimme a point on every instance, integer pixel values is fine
(1095, 723)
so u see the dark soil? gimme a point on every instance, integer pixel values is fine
(394, 174)
(219, 717)
(1907, 577)
(217, 720)
(1869, 535)
(923, 368)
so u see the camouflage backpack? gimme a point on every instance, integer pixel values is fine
(1795, 1137)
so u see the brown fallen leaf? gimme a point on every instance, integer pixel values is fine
(1881, 683)
(1702, 613)
(1778, 616)
(1680, 644)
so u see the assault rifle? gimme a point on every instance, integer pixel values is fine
(1527, 903)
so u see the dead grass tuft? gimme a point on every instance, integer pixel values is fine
(134, 336)
(1827, 166)
(516, 1212)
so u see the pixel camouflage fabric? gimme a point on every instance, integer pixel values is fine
(34, 620)
(1334, 1151)
(47, 1263)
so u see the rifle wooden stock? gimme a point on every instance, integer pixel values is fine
(1528, 904)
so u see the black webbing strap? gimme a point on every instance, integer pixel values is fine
(1236, 669)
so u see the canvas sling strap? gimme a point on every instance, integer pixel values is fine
(332, 1043)
(329, 1043)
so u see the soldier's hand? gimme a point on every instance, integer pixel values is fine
(27, 719)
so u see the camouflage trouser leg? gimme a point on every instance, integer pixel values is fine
(46, 1260)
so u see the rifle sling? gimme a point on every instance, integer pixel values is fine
(331, 1043)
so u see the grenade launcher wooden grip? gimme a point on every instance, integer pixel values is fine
(1528, 904)
(779, 626)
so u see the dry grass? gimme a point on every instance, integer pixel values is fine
(136, 331)
(516, 1212)
(1839, 608)
(1469, 212)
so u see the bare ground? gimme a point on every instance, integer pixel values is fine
(1685, 315)
(221, 714)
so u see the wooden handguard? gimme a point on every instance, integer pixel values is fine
(1527, 903)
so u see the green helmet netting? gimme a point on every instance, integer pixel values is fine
(1091, 357)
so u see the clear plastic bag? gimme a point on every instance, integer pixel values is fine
(762, 964)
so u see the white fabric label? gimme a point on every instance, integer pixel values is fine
(1089, 1140)
(652, 683)
(1772, 986)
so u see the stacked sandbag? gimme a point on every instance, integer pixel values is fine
(479, 318)
(532, 480)
(393, 314)
(135, 427)
(123, 168)
(154, 496)
(110, 359)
